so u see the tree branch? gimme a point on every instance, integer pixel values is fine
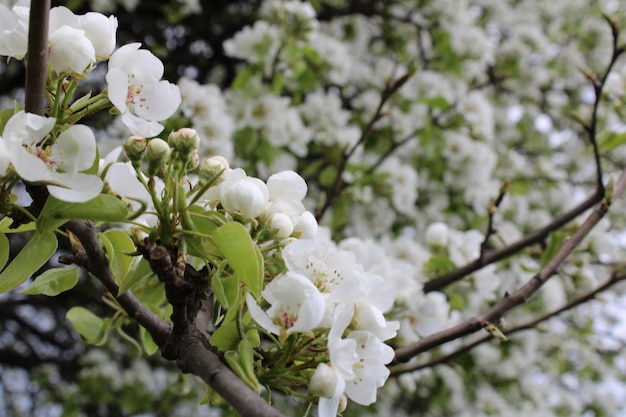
(495, 313)
(529, 325)
(197, 359)
(98, 266)
(496, 255)
(37, 61)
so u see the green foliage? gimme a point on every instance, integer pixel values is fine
(611, 140)
(118, 245)
(104, 207)
(53, 282)
(235, 244)
(4, 250)
(91, 327)
(32, 257)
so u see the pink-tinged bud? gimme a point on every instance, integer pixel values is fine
(157, 155)
(185, 141)
(135, 147)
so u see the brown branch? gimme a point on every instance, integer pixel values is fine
(495, 255)
(337, 185)
(37, 60)
(196, 358)
(191, 353)
(539, 235)
(529, 325)
(521, 295)
(484, 246)
(98, 266)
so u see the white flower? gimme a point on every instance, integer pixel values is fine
(241, 194)
(14, 29)
(122, 179)
(136, 90)
(70, 51)
(331, 270)
(60, 165)
(431, 313)
(100, 30)
(358, 360)
(296, 305)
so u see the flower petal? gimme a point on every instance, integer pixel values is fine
(82, 187)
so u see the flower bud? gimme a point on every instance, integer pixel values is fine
(70, 51)
(194, 161)
(213, 166)
(135, 147)
(248, 196)
(324, 381)
(157, 155)
(281, 225)
(437, 235)
(305, 226)
(185, 140)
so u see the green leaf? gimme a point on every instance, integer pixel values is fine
(239, 365)
(5, 226)
(120, 244)
(32, 256)
(610, 141)
(554, 243)
(91, 327)
(5, 115)
(438, 102)
(101, 208)
(139, 272)
(147, 341)
(438, 264)
(226, 337)
(328, 175)
(4, 250)
(246, 360)
(53, 282)
(242, 254)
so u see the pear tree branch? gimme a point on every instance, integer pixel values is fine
(529, 325)
(521, 295)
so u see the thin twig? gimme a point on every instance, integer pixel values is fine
(529, 325)
(337, 185)
(495, 313)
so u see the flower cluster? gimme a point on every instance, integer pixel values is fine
(54, 150)
(325, 291)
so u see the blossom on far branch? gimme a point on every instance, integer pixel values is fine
(59, 166)
(137, 91)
